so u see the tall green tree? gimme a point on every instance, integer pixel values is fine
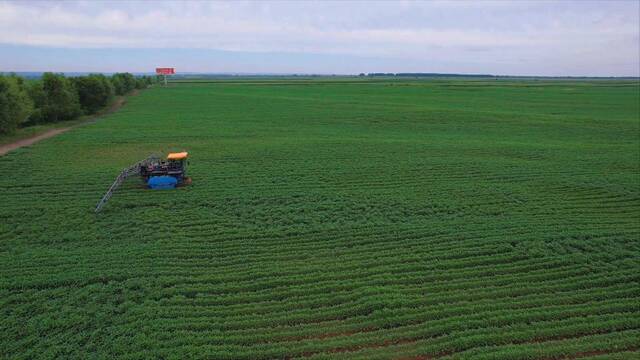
(123, 83)
(15, 103)
(143, 82)
(56, 99)
(95, 91)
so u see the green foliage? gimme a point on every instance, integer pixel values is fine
(361, 218)
(56, 99)
(15, 103)
(95, 91)
(143, 82)
(123, 83)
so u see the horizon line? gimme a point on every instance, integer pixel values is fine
(368, 75)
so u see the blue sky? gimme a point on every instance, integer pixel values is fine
(553, 38)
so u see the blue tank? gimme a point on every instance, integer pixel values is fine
(162, 182)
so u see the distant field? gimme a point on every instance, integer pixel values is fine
(484, 219)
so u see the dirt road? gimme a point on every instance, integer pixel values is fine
(28, 141)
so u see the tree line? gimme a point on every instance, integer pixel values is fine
(427, 75)
(55, 97)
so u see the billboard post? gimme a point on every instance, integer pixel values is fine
(164, 72)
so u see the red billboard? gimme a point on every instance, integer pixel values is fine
(165, 71)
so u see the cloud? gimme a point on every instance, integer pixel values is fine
(605, 33)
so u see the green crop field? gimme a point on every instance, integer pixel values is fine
(438, 219)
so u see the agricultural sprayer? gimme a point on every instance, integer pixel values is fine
(156, 172)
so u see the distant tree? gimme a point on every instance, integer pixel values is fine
(15, 103)
(38, 97)
(55, 98)
(123, 83)
(95, 91)
(361, 74)
(141, 82)
(118, 85)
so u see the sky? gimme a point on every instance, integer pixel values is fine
(544, 38)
